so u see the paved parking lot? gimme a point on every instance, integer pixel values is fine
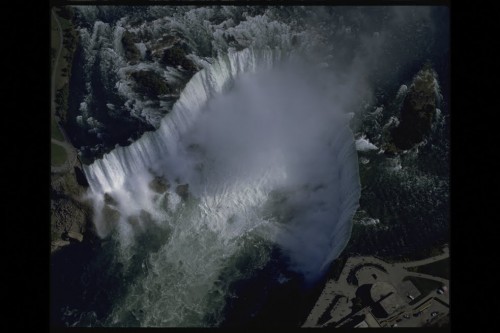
(369, 271)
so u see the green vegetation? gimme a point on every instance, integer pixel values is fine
(69, 40)
(62, 101)
(70, 36)
(420, 254)
(439, 268)
(435, 251)
(150, 83)
(54, 130)
(63, 71)
(431, 251)
(57, 155)
(418, 112)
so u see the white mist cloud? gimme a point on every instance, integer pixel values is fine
(282, 131)
(281, 120)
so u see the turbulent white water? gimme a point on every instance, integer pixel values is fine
(363, 144)
(261, 141)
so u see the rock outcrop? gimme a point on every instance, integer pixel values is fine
(159, 185)
(80, 177)
(75, 236)
(176, 57)
(132, 53)
(182, 191)
(70, 212)
(109, 200)
(418, 111)
(150, 84)
(59, 243)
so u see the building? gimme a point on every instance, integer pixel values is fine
(371, 321)
(362, 324)
(386, 299)
(391, 303)
(407, 289)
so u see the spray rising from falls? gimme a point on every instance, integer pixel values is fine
(249, 155)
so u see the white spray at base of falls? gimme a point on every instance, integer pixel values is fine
(266, 157)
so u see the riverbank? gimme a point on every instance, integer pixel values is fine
(70, 211)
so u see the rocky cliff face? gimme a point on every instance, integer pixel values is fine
(70, 212)
(132, 53)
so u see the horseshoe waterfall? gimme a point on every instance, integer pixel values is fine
(252, 159)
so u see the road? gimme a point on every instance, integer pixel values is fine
(70, 150)
(429, 277)
(396, 272)
(426, 261)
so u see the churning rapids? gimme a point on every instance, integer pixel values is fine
(265, 167)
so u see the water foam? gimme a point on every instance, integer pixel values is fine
(228, 192)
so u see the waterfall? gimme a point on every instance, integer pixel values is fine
(304, 152)
(109, 173)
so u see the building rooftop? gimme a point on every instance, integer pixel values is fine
(408, 288)
(371, 321)
(386, 296)
(361, 324)
(391, 303)
(379, 290)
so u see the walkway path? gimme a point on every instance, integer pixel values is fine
(444, 255)
(70, 150)
(70, 160)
